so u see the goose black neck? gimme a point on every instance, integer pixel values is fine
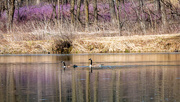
(91, 62)
(64, 63)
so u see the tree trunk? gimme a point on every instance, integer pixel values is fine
(54, 9)
(27, 3)
(11, 8)
(1, 8)
(58, 11)
(7, 12)
(78, 9)
(18, 4)
(158, 12)
(62, 4)
(72, 11)
(112, 10)
(95, 12)
(163, 16)
(141, 16)
(37, 2)
(158, 6)
(86, 5)
(118, 16)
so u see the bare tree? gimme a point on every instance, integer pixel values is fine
(54, 9)
(95, 12)
(160, 7)
(72, 11)
(18, 4)
(62, 4)
(78, 9)
(6, 11)
(118, 16)
(139, 14)
(163, 15)
(37, 2)
(86, 5)
(58, 7)
(157, 9)
(112, 10)
(27, 3)
(10, 12)
(2, 7)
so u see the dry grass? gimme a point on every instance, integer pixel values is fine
(26, 47)
(43, 37)
(87, 44)
(146, 43)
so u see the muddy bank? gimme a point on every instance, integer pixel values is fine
(146, 43)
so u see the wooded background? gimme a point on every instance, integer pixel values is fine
(148, 14)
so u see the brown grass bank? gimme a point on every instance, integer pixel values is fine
(136, 43)
(89, 44)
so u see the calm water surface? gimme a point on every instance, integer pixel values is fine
(122, 78)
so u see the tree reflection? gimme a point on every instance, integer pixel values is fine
(38, 82)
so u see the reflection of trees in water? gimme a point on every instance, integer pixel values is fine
(45, 82)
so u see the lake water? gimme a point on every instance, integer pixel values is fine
(122, 78)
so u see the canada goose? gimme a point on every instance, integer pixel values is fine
(74, 66)
(98, 65)
(64, 64)
(90, 66)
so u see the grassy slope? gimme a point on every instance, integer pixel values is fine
(8, 46)
(146, 43)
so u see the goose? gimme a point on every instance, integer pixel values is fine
(90, 66)
(99, 65)
(64, 64)
(74, 66)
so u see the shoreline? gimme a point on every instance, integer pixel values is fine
(141, 53)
